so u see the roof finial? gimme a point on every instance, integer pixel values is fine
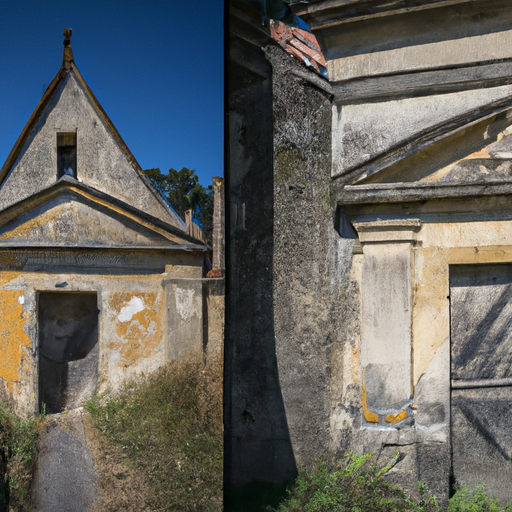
(68, 52)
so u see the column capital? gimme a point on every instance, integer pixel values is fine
(388, 231)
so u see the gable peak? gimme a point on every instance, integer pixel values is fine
(68, 52)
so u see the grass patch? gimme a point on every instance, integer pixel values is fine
(18, 445)
(474, 500)
(169, 426)
(355, 484)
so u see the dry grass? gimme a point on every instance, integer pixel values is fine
(119, 486)
(168, 425)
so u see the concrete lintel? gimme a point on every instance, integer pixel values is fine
(393, 230)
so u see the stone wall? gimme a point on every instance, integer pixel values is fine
(144, 321)
(258, 451)
(384, 181)
(308, 274)
(291, 306)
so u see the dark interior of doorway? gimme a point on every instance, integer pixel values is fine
(68, 349)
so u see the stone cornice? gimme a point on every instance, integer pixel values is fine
(386, 231)
(411, 192)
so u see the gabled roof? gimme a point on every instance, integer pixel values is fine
(71, 214)
(68, 69)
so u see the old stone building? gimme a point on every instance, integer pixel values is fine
(99, 277)
(370, 238)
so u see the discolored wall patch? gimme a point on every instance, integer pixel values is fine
(14, 341)
(137, 325)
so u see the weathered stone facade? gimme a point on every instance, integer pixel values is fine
(383, 246)
(99, 278)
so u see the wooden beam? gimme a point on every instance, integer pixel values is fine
(422, 83)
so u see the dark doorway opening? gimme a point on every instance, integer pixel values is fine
(481, 377)
(68, 349)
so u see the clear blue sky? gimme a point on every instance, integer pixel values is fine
(156, 67)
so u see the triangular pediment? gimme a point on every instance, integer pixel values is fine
(103, 161)
(72, 215)
(378, 140)
(467, 156)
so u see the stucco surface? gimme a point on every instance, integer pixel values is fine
(136, 334)
(101, 163)
(363, 131)
(385, 347)
(14, 340)
(70, 220)
(310, 265)
(486, 47)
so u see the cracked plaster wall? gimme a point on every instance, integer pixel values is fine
(136, 333)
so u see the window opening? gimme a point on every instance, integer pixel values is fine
(66, 154)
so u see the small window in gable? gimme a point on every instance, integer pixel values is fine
(66, 154)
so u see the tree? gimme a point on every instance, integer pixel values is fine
(184, 192)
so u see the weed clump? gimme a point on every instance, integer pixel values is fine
(169, 426)
(474, 500)
(355, 484)
(18, 445)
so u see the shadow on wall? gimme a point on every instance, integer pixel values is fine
(258, 460)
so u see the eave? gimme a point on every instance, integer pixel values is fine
(176, 236)
(330, 13)
(418, 192)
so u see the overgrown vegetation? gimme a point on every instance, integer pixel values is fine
(169, 425)
(354, 483)
(18, 443)
(475, 500)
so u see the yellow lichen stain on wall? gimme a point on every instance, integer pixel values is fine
(34, 227)
(9, 260)
(138, 325)
(392, 418)
(431, 304)
(13, 339)
(7, 277)
(369, 416)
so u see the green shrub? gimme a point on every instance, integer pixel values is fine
(474, 500)
(354, 484)
(18, 444)
(169, 425)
